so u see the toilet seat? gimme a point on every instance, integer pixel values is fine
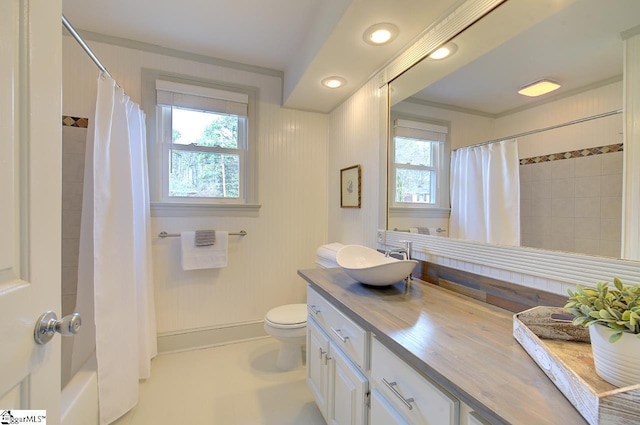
(291, 316)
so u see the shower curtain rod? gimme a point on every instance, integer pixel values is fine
(84, 45)
(553, 127)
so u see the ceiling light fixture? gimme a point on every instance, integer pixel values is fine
(444, 51)
(380, 34)
(334, 82)
(538, 88)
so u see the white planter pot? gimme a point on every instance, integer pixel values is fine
(617, 363)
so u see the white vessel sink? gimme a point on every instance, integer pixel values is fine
(371, 267)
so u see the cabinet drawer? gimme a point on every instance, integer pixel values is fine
(417, 399)
(474, 419)
(347, 335)
(382, 413)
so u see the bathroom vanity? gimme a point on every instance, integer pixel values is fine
(426, 355)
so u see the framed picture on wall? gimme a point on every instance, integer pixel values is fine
(350, 187)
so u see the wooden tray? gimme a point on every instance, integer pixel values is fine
(568, 362)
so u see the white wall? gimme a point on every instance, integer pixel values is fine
(292, 175)
(465, 129)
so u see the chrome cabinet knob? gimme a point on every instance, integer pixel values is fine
(48, 324)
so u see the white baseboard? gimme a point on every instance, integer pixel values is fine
(173, 342)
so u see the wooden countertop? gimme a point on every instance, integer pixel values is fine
(464, 345)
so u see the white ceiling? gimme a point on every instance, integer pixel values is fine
(305, 39)
(578, 47)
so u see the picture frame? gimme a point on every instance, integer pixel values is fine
(350, 187)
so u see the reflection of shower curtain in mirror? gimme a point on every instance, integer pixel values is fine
(485, 193)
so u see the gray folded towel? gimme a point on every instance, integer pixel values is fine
(205, 237)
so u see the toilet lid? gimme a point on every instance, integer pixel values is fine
(291, 314)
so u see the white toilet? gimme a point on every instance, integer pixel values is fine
(288, 323)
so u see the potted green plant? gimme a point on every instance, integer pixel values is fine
(613, 317)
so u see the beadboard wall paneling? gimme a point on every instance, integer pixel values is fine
(356, 136)
(599, 132)
(291, 223)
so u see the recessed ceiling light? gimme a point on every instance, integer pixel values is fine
(380, 34)
(444, 51)
(538, 88)
(334, 82)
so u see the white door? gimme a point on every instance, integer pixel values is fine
(30, 211)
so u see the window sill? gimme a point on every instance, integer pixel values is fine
(419, 212)
(165, 209)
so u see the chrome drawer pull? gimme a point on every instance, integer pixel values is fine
(322, 353)
(314, 309)
(339, 333)
(392, 386)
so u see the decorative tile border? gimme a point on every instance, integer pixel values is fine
(75, 121)
(573, 154)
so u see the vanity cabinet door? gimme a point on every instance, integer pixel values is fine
(347, 390)
(317, 364)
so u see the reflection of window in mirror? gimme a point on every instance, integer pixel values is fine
(419, 167)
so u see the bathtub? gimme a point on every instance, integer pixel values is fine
(79, 400)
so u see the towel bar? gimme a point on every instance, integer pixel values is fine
(177, 235)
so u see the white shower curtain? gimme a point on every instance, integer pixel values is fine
(485, 193)
(115, 253)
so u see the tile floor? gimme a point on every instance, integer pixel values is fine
(236, 384)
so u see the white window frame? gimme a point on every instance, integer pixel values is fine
(418, 128)
(160, 145)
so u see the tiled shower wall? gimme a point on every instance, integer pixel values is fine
(573, 204)
(74, 137)
(73, 149)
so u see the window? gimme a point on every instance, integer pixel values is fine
(419, 171)
(203, 154)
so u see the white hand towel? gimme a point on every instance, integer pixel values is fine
(329, 251)
(203, 257)
(326, 255)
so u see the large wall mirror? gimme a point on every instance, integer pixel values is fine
(569, 141)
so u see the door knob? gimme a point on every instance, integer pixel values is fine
(48, 324)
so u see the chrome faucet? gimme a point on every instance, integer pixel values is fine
(401, 251)
(404, 251)
(406, 255)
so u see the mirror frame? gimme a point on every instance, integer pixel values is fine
(553, 271)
